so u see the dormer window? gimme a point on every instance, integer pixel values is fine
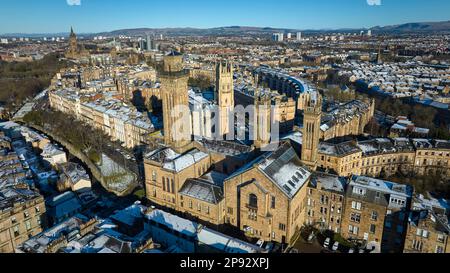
(359, 191)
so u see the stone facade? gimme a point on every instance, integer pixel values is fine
(22, 218)
(174, 87)
(260, 201)
(224, 95)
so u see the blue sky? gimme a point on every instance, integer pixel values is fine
(50, 16)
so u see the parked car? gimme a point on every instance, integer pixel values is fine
(335, 246)
(311, 236)
(260, 243)
(351, 250)
(326, 244)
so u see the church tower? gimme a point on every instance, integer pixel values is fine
(73, 44)
(174, 92)
(75, 51)
(263, 122)
(224, 95)
(311, 130)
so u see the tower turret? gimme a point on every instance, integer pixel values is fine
(224, 95)
(311, 130)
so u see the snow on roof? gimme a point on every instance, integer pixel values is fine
(329, 182)
(176, 223)
(284, 168)
(202, 190)
(381, 186)
(294, 136)
(129, 215)
(225, 243)
(174, 161)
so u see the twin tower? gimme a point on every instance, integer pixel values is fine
(175, 100)
(178, 127)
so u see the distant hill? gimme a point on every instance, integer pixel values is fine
(427, 27)
(229, 30)
(431, 27)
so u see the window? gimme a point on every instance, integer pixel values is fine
(230, 210)
(356, 205)
(353, 230)
(355, 217)
(28, 225)
(273, 202)
(282, 227)
(440, 238)
(154, 175)
(422, 233)
(417, 245)
(253, 201)
(310, 191)
(172, 185)
(199, 207)
(26, 214)
(38, 209)
(373, 228)
(252, 215)
(374, 216)
(16, 231)
(207, 210)
(359, 191)
(164, 183)
(439, 249)
(13, 220)
(190, 204)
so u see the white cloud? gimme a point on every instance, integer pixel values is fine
(74, 2)
(374, 2)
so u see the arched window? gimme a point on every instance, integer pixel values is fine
(253, 201)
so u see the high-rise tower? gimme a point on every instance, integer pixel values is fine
(311, 130)
(174, 91)
(224, 95)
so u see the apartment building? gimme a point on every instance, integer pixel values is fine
(376, 212)
(104, 112)
(326, 201)
(22, 215)
(428, 226)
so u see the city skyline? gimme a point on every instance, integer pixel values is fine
(94, 16)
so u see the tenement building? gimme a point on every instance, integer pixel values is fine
(386, 157)
(325, 201)
(428, 227)
(348, 119)
(22, 215)
(376, 212)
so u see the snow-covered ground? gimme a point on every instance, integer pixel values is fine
(118, 179)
